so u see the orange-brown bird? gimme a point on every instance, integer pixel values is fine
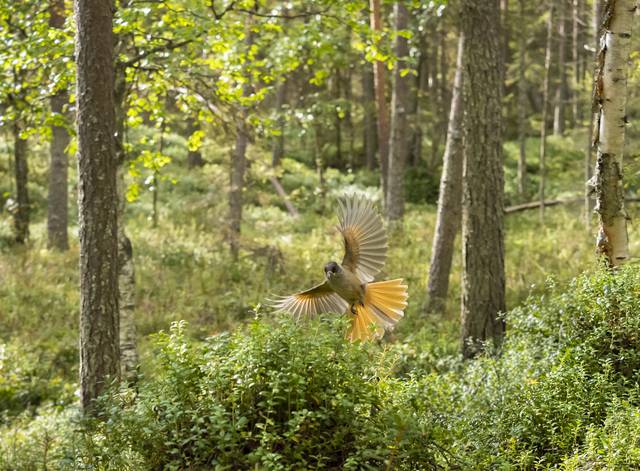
(349, 287)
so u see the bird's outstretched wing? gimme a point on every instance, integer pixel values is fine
(317, 300)
(365, 241)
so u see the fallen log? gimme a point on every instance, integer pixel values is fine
(536, 204)
(278, 187)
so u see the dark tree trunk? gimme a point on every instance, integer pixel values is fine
(561, 90)
(421, 90)
(398, 146)
(194, 157)
(522, 103)
(239, 166)
(381, 103)
(369, 107)
(278, 142)
(97, 200)
(21, 214)
(449, 199)
(545, 108)
(57, 198)
(483, 278)
(575, 61)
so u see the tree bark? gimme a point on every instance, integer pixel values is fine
(449, 199)
(545, 108)
(97, 196)
(398, 145)
(561, 89)
(57, 198)
(369, 108)
(588, 163)
(22, 211)
(522, 102)
(421, 90)
(483, 278)
(610, 100)
(575, 61)
(277, 152)
(381, 102)
(239, 166)
(194, 157)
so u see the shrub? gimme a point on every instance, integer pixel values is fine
(272, 397)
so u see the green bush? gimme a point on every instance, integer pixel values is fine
(565, 360)
(272, 397)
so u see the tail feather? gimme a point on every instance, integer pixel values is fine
(384, 304)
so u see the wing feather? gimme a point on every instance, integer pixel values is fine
(317, 300)
(365, 240)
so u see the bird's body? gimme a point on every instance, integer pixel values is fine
(349, 287)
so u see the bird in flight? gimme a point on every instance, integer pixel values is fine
(349, 287)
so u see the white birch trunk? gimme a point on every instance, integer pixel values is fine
(610, 99)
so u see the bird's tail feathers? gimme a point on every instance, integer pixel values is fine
(384, 303)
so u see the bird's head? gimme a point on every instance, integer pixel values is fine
(331, 269)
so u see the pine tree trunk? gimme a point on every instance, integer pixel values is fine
(610, 98)
(561, 90)
(575, 61)
(545, 110)
(21, 214)
(421, 90)
(57, 198)
(97, 196)
(369, 107)
(483, 278)
(449, 199)
(398, 146)
(522, 103)
(381, 103)
(277, 152)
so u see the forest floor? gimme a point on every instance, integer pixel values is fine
(184, 272)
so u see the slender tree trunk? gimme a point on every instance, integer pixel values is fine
(610, 100)
(483, 278)
(97, 196)
(545, 108)
(522, 103)
(278, 142)
(194, 157)
(449, 199)
(238, 169)
(57, 199)
(126, 265)
(588, 164)
(575, 61)
(348, 119)
(239, 165)
(337, 95)
(398, 146)
(421, 90)
(561, 90)
(381, 102)
(21, 215)
(369, 108)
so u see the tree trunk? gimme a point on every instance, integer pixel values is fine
(545, 110)
(421, 90)
(194, 157)
(561, 90)
(97, 196)
(57, 198)
(278, 142)
(381, 103)
(337, 95)
(449, 199)
(398, 146)
(610, 100)
(369, 108)
(21, 215)
(575, 61)
(483, 279)
(588, 206)
(522, 103)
